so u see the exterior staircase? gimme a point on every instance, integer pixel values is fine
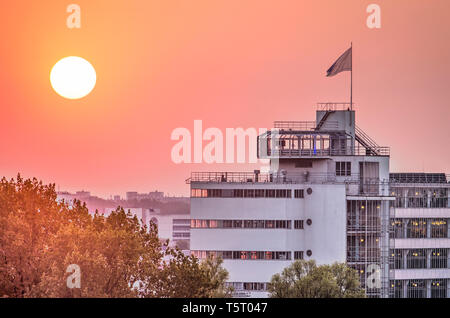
(324, 119)
(371, 146)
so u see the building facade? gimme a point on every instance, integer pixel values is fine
(329, 196)
(420, 236)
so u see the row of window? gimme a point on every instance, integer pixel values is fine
(419, 228)
(420, 197)
(184, 228)
(180, 221)
(181, 234)
(247, 224)
(419, 258)
(250, 255)
(246, 193)
(419, 288)
(237, 286)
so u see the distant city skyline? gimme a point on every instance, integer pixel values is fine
(113, 196)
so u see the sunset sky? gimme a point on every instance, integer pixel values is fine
(236, 63)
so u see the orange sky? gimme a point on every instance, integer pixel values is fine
(162, 64)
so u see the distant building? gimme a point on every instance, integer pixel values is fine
(82, 195)
(175, 227)
(155, 195)
(117, 198)
(132, 195)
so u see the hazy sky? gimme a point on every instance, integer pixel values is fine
(235, 63)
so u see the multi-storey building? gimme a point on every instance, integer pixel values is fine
(327, 197)
(420, 235)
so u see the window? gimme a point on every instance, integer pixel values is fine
(343, 168)
(270, 193)
(439, 258)
(238, 193)
(213, 223)
(298, 224)
(439, 288)
(237, 223)
(249, 193)
(416, 228)
(180, 228)
(397, 229)
(258, 224)
(227, 254)
(299, 193)
(270, 224)
(178, 235)
(439, 228)
(416, 259)
(397, 259)
(282, 255)
(254, 286)
(281, 193)
(298, 255)
(248, 224)
(214, 193)
(416, 289)
(259, 193)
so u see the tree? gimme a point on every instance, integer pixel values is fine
(217, 277)
(117, 257)
(304, 279)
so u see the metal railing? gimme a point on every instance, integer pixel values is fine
(279, 177)
(304, 125)
(420, 178)
(341, 151)
(334, 106)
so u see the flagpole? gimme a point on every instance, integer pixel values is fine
(351, 79)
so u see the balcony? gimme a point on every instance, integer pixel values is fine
(314, 144)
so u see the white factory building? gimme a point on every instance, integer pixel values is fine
(330, 197)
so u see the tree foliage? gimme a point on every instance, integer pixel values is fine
(40, 238)
(304, 279)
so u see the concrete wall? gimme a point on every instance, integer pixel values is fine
(326, 237)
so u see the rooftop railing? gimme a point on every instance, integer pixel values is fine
(335, 106)
(358, 150)
(280, 177)
(304, 125)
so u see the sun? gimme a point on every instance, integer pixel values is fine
(73, 77)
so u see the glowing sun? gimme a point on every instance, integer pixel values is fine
(73, 77)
